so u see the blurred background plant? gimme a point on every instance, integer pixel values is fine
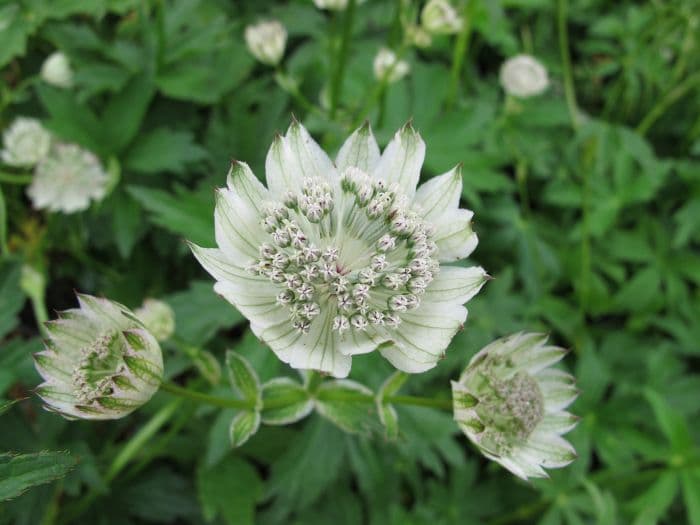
(587, 205)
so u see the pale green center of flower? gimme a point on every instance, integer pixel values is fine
(100, 362)
(355, 254)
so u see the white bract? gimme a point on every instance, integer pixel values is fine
(439, 17)
(56, 70)
(332, 5)
(523, 76)
(266, 41)
(158, 318)
(511, 404)
(337, 259)
(25, 142)
(387, 66)
(99, 362)
(67, 179)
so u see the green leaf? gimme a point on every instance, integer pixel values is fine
(13, 33)
(243, 378)
(11, 296)
(298, 404)
(3, 224)
(244, 425)
(208, 365)
(690, 479)
(229, 489)
(349, 405)
(387, 413)
(126, 110)
(670, 422)
(21, 472)
(164, 150)
(653, 503)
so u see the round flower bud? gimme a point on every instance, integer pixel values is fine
(266, 41)
(388, 67)
(99, 362)
(68, 179)
(511, 404)
(25, 143)
(440, 18)
(158, 318)
(417, 36)
(56, 70)
(523, 76)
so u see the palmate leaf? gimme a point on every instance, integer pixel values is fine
(19, 472)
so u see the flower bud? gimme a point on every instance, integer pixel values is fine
(99, 362)
(266, 41)
(523, 76)
(511, 404)
(416, 35)
(440, 18)
(25, 143)
(56, 70)
(158, 318)
(387, 66)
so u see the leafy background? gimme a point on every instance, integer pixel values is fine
(589, 226)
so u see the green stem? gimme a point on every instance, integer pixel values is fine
(40, 313)
(521, 177)
(4, 250)
(667, 101)
(569, 92)
(341, 58)
(222, 402)
(442, 404)
(459, 53)
(12, 178)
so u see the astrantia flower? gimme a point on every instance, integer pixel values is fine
(439, 17)
(388, 66)
(56, 70)
(333, 260)
(99, 362)
(67, 179)
(511, 405)
(266, 41)
(25, 142)
(523, 76)
(158, 318)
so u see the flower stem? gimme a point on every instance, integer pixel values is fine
(12, 178)
(569, 92)
(667, 101)
(341, 57)
(223, 402)
(459, 53)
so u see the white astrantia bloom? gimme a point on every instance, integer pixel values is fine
(511, 404)
(99, 362)
(440, 18)
(68, 179)
(56, 70)
(158, 317)
(266, 41)
(523, 76)
(337, 259)
(387, 66)
(25, 142)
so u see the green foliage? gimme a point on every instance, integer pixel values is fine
(587, 207)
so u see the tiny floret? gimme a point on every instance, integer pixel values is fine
(388, 67)
(439, 17)
(99, 362)
(25, 143)
(68, 179)
(335, 259)
(56, 70)
(511, 404)
(266, 41)
(158, 318)
(523, 76)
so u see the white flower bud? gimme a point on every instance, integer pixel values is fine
(158, 318)
(56, 70)
(523, 76)
(417, 36)
(388, 67)
(99, 362)
(440, 18)
(25, 142)
(266, 41)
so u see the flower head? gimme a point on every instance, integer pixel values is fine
(337, 259)
(511, 405)
(388, 66)
(99, 362)
(67, 179)
(158, 318)
(266, 41)
(25, 142)
(523, 76)
(56, 70)
(440, 18)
